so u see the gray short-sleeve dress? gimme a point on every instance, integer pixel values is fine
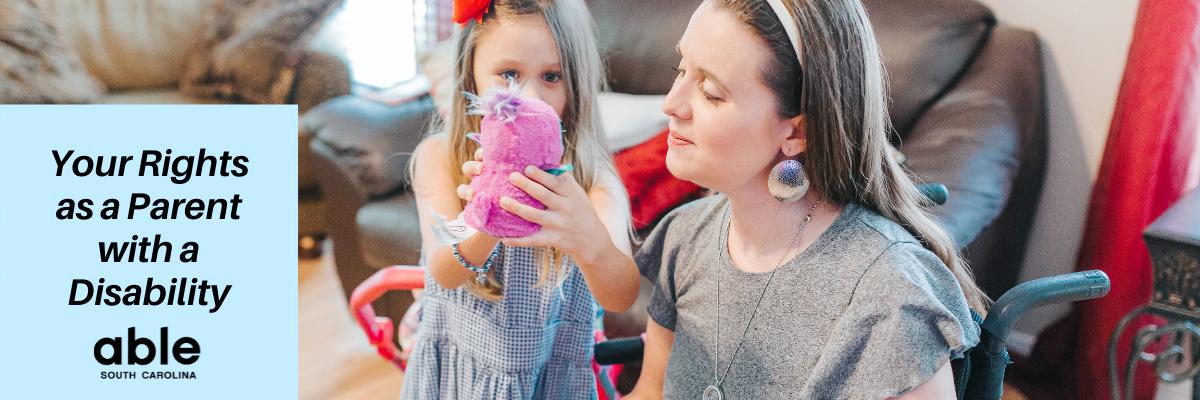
(866, 312)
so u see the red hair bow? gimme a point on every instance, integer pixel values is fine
(466, 10)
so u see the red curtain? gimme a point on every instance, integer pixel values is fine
(1151, 159)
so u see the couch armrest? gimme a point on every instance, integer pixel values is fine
(361, 150)
(320, 76)
(371, 141)
(986, 140)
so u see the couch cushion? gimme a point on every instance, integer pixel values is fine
(373, 140)
(630, 120)
(248, 51)
(390, 231)
(35, 65)
(986, 140)
(926, 45)
(154, 96)
(638, 38)
(130, 43)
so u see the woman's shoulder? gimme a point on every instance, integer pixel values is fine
(898, 252)
(896, 257)
(883, 230)
(898, 268)
(912, 264)
(905, 318)
(906, 275)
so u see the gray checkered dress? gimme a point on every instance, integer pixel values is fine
(535, 343)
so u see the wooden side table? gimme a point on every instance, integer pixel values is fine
(1174, 243)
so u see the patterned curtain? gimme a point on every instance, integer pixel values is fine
(432, 22)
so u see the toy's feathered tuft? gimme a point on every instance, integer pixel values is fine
(502, 102)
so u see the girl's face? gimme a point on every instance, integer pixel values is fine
(522, 49)
(725, 131)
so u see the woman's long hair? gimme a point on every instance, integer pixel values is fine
(841, 90)
(584, 145)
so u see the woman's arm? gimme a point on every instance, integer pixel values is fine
(654, 362)
(941, 386)
(593, 228)
(434, 187)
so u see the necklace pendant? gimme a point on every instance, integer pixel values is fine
(712, 392)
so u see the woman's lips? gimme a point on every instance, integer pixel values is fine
(676, 140)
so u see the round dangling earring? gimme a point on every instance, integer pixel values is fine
(787, 181)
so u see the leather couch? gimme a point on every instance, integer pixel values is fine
(967, 104)
(139, 49)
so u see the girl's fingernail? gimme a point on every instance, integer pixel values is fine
(513, 177)
(529, 170)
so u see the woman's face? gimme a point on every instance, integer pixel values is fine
(522, 49)
(725, 131)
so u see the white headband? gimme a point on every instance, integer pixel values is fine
(789, 25)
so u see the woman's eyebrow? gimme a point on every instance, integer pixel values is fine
(708, 76)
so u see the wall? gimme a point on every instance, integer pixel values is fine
(1085, 43)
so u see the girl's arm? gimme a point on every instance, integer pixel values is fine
(434, 187)
(654, 362)
(612, 207)
(941, 386)
(593, 228)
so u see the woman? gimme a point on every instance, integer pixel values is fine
(822, 281)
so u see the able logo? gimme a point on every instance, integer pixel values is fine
(185, 350)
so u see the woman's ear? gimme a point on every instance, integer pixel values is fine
(796, 141)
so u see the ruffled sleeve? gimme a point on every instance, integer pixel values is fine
(907, 317)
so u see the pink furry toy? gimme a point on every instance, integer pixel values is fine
(515, 132)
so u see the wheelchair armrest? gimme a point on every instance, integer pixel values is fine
(1039, 292)
(620, 351)
(935, 192)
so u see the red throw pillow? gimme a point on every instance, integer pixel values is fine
(653, 191)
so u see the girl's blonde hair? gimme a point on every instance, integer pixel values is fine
(584, 145)
(842, 92)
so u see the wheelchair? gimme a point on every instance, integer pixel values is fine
(978, 375)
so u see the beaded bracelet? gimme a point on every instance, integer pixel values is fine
(487, 266)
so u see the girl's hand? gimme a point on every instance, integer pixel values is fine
(569, 221)
(471, 169)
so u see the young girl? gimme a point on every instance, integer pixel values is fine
(526, 333)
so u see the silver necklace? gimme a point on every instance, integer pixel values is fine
(713, 392)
